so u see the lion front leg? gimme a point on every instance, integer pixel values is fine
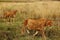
(23, 31)
(28, 31)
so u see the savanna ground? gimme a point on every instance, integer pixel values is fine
(11, 30)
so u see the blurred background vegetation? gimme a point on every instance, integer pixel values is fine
(28, 0)
(35, 10)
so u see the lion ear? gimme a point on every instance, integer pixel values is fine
(15, 11)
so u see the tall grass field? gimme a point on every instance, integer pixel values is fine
(12, 30)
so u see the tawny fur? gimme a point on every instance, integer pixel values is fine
(38, 25)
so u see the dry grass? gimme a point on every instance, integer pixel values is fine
(11, 30)
(29, 0)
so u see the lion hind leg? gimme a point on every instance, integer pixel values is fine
(35, 33)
